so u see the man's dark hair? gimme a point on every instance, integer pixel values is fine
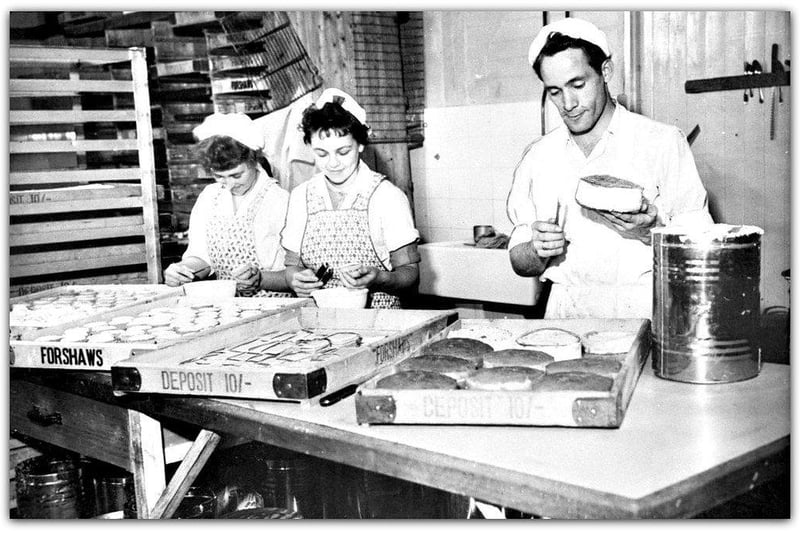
(332, 117)
(558, 42)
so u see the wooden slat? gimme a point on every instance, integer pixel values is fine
(146, 445)
(37, 264)
(65, 87)
(202, 448)
(70, 116)
(75, 176)
(103, 145)
(70, 230)
(76, 205)
(108, 279)
(66, 55)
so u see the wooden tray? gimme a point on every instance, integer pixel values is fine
(24, 322)
(512, 408)
(219, 366)
(32, 352)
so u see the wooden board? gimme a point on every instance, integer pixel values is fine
(30, 351)
(513, 408)
(271, 365)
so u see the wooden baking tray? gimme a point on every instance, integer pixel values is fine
(33, 352)
(517, 408)
(273, 366)
(25, 322)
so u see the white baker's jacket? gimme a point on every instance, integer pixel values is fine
(601, 273)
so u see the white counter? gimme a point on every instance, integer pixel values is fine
(457, 270)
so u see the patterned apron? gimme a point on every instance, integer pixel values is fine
(341, 236)
(231, 241)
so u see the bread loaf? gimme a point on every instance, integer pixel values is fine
(515, 357)
(595, 365)
(470, 349)
(454, 367)
(505, 378)
(416, 379)
(607, 193)
(573, 381)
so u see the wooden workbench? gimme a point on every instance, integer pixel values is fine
(681, 449)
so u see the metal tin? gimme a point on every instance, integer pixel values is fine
(706, 303)
(48, 487)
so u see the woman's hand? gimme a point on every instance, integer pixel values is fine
(359, 276)
(178, 274)
(303, 282)
(248, 279)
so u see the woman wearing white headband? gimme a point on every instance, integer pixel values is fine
(234, 228)
(347, 216)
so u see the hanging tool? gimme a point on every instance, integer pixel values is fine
(777, 68)
(747, 70)
(757, 70)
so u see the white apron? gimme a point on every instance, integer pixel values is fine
(231, 241)
(341, 236)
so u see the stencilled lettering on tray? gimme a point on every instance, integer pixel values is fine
(449, 406)
(71, 356)
(390, 351)
(28, 198)
(187, 381)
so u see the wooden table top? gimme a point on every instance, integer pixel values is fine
(682, 448)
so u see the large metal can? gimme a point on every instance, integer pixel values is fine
(706, 303)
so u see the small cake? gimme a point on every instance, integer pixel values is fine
(608, 342)
(415, 380)
(454, 367)
(601, 366)
(505, 378)
(573, 381)
(470, 349)
(516, 357)
(607, 193)
(559, 343)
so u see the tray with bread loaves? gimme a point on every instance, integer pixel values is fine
(303, 355)
(93, 342)
(570, 372)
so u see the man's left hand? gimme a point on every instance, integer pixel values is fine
(632, 225)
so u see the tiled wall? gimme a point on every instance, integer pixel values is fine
(463, 172)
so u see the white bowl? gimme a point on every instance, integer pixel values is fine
(340, 297)
(210, 291)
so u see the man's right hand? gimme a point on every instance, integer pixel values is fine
(548, 239)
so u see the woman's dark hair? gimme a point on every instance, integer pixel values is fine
(220, 153)
(558, 42)
(332, 117)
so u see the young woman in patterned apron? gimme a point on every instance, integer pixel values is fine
(234, 228)
(346, 215)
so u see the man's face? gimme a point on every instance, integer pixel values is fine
(575, 88)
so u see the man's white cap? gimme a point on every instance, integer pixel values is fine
(572, 27)
(347, 102)
(237, 126)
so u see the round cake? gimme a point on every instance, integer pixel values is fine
(607, 193)
(454, 367)
(505, 378)
(573, 381)
(516, 357)
(601, 366)
(608, 342)
(416, 379)
(470, 349)
(559, 343)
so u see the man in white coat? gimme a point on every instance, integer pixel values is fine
(599, 262)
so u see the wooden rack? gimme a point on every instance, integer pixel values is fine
(83, 196)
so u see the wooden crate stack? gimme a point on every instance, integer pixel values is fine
(82, 182)
(258, 63)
